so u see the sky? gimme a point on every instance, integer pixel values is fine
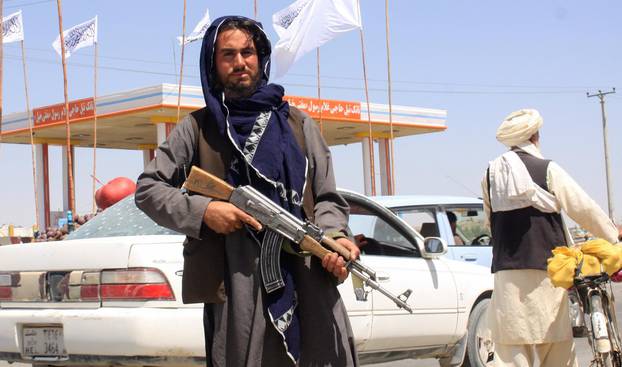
(479, 60)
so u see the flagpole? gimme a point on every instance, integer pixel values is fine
(174, 59)
(371, 137)
(181, 68)
(32, 137)
(1, 63)
(255, 6)
(391, 163)
(94, 209)
(67, 127)
(319, 95)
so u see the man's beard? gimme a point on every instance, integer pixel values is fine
(239, 90)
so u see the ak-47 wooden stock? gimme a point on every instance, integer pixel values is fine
(206, 184)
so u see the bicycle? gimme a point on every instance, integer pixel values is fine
(596, 301)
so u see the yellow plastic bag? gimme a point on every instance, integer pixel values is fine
(591, 265)
(562, 266)
(610, 256)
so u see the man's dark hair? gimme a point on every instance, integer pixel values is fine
(452, 217)
(251, 28)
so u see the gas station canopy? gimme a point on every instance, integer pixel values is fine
(129, 120)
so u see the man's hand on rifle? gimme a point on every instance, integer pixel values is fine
(336, 264)
(224, 218)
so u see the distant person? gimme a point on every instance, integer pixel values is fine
(524, 195)
(452, 223)
(249, 135)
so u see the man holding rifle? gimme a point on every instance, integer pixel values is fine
(248, 135)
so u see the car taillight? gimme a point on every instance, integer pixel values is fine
(83, 286)
(23, 286)
(134, 284)
(6, 286)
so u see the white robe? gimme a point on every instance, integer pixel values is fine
(527, 309)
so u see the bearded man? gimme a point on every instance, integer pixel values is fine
(248, 135)
(524, 195)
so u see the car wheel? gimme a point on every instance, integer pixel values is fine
(480, 349)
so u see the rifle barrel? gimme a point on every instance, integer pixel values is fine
(374, 285)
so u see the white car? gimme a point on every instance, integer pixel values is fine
(111, 295)
(429, 215)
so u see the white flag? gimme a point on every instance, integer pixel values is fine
(199, 30)
(12, 28)
(308, 24)
(82, 35)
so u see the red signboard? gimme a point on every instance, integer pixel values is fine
(330, 108)
(56, 113)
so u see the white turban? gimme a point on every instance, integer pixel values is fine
(519, 126)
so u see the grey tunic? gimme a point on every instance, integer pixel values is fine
(239, 331)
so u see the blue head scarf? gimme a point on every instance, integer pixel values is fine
(266, 154)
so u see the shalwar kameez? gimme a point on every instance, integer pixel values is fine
(524, 195)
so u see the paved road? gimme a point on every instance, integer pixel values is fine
(583, 355)
(583, 349)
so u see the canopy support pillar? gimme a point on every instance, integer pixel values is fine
(387, 185)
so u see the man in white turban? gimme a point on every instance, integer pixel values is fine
(524, 195)
(519, 127)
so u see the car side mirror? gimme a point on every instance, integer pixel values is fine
(434, 247)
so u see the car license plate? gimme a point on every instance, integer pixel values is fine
(43, 341)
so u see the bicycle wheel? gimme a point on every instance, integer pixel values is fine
(612, 326)
(603, 355)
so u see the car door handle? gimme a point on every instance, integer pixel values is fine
(383, 277)
(469, 258)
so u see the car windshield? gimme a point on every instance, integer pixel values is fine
(471, 225)
(121, 219)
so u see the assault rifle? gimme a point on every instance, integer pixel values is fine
(307, 235)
